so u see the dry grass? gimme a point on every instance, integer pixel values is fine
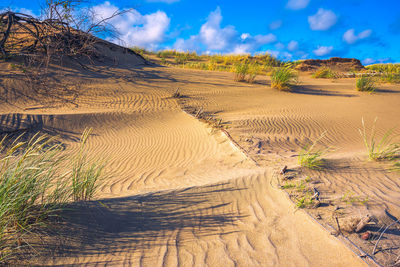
(325, 73)
(283, 78)
(366, 84)
(385, 148)
(35, 184)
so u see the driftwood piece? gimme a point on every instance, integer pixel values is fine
(316, 194)
(363, 222)
(338, 231)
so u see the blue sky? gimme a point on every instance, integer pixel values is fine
(289, 29)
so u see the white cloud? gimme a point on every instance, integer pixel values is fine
(135, 29)
(214, 38)
(293, 45)
(244, 36)
(322, 20)
(191, 44)
(350, 37)
(275, 25)
(297, 4)
(323, 50)
(368, 61)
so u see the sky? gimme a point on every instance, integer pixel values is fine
(288, 29)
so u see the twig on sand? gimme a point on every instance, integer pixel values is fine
(316, 194)
(338, 231)
(380, 236)
(284, 169)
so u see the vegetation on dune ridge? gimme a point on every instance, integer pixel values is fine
(326, 73)
(283, 78)
(389, 73)
(35, 185)
(257, 64)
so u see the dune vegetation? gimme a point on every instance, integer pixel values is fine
(283, 78)
(385, 148)
(326, 73)
(388, 73)
(36, 182)
(366, 84)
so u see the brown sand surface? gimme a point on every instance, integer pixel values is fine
(181, 193)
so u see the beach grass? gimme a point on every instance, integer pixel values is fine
(385, 148)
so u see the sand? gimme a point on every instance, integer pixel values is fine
(181, 193)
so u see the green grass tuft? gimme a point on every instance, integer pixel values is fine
(365, 84)
(35, 186)
(240, 71)
(282, 78)
(85, 173)
(311, 157)
(325, 73)
(384, 149)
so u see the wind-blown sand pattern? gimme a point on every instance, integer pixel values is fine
(180, 193)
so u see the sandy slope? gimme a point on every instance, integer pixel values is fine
(181, 194)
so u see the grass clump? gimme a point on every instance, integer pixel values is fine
(245, 71)
(240, 71)
(35, 184)
(31, 189)
(252, 72)
(305, 201)
(384, 149)
(282, 78)
(325, 73)
(311, 157)
(85, 172)
(365, 84)
(389, 73)
(351, 198)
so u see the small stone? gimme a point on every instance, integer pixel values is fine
(284, 169)
(366, 236)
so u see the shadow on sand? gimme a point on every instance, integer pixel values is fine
(314, 90)
(141, 222)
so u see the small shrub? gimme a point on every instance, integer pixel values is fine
(384, 149)
(365, 84)
(325, 73)
(282, 78)
(241, 70)
(311, 157)
(252, 72)
(390, 77)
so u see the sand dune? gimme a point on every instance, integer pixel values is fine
(180, 193)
